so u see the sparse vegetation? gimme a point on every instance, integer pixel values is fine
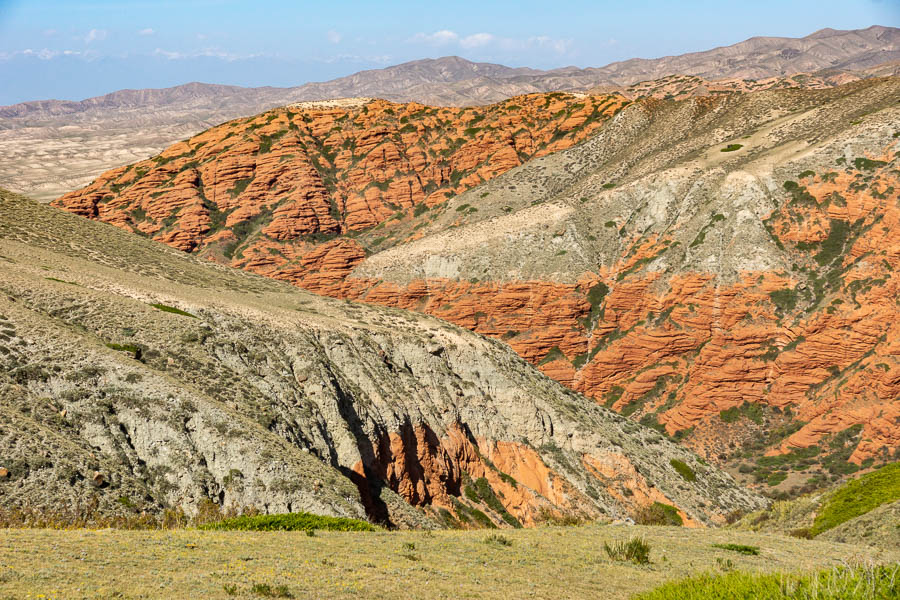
(732, 147)
(289, 522)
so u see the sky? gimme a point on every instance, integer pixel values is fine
(70, 50)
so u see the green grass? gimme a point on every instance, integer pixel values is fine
(739, 548)
(839, 583)
(540, 562)
(173, 310)
(685, 471)
(289, 522)
(858, 497)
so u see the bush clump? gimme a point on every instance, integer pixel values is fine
(685, 471)
(739, 548)
(289, 522)
(658, 514)
(635, 550)
(173, 310)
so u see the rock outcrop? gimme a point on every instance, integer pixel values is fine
(720, 268)
(136, 378)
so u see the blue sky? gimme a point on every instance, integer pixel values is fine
(70, 49)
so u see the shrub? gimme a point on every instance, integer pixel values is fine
(685, 471)
(267, 591)
(658, 514)
(732, 147)
(635, 550)
(126, 348)
(785, 299)
(496, 538)
(739, 548)
(173, 310)
(867, 164)
(858, 497)
(289, 522)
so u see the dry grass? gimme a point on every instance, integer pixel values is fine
(547, 562)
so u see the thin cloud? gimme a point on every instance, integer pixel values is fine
(147, 31)
(476, 40)
(438, 38)
(204, 53)
(44, 54)
(334, 37)
(95, 35)
(446, 37)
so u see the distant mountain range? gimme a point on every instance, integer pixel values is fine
(54, 146)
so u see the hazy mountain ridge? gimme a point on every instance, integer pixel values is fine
(82, 139)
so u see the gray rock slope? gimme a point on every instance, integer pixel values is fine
(267, 397)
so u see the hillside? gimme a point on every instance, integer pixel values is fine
(720, 268)
(137, 380)
(52, 147)
(284, 193)
(865, 510)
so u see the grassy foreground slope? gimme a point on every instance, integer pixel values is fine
(545, 562)
(863, 510)
(841, 583)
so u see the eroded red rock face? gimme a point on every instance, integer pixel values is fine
(428, 470)
(821, 359)
(264, 193)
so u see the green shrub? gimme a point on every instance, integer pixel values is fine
(739, 548)
(858, 497)
(731, 147)
(866, 164)
(496, 538)
(173, 310)
(267, 591)
(658, 514)
(839, 583)
(785, 299)
(289, 522)
(136, 351)
(635, 550)
(833, 245)
(747, 409)
(553, 354)
(685, 471)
